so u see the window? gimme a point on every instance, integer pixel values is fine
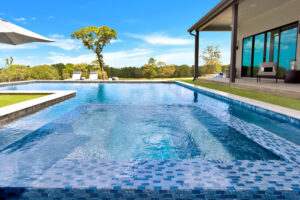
(258, 55)
(278, 45)
(287, 49)
(247, 49)
(272, 46)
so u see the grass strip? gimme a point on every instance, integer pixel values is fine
(283, 101)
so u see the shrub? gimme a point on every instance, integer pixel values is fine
(44, 72)
(15, 73)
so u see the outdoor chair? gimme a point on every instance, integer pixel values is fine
(76, 76)
(93, 76)
(267, 70)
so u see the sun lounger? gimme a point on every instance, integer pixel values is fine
(93, 76)
(76, 75)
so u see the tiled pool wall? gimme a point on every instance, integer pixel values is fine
(110, 194)
(187, 179)
(175, 179)
(259, 110)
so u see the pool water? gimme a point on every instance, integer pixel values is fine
(133, 121)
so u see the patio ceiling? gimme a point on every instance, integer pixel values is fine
(220, 17)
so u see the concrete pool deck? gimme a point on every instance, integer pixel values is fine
(265, 85)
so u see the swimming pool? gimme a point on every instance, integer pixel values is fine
(128, 122)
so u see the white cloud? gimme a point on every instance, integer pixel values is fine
(62, 58)
(57, 36)
(33, 18)
(28, 60)
(135, 57)
(16, 47)
(20, 19)
(187, 56)
(50, 17)
(162, 39)
(115, 41)
(64, 43)
(68, 43)
(178, 57)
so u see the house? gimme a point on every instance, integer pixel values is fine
(261, 31)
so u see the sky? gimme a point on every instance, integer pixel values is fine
(145, 28)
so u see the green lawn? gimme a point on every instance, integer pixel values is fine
(288, 102)
(8, 99)
(154, 79)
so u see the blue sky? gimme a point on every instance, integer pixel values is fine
(144, 28)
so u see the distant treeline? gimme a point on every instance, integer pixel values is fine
(60, 71)
(45, 72)
(169, 71)
(64, 71)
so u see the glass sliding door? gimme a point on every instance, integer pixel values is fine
(278, 45)
(258, 55)
(287, 48)
(247, 56)
(272, 46)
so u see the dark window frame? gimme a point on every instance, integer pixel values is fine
(296, 24)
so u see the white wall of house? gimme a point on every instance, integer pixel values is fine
(287, 13)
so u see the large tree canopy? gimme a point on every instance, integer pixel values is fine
(212, 60)
(95, 39)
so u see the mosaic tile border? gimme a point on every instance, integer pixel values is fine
(96, 194)
(187, 179)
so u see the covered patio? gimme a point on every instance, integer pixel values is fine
(253, 23)
(266, 85)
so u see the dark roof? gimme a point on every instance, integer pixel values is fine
(219, 8)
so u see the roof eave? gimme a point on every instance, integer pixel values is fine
(218, 9)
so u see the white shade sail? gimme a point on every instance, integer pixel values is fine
(13, 34)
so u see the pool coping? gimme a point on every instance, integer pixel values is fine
(5, 84)
(15, 111)
(275, 111)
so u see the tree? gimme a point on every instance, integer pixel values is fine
(166, 71)
(15, 73)
(9, 62)
(212, 63)
(151, 61)
(183, 71)
(225, 68)
(161, 64)
(148, 71)
(95, 39)
(44, 72)
(59, 67)
(68, 71)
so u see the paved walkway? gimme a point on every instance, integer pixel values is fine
(266, 85)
